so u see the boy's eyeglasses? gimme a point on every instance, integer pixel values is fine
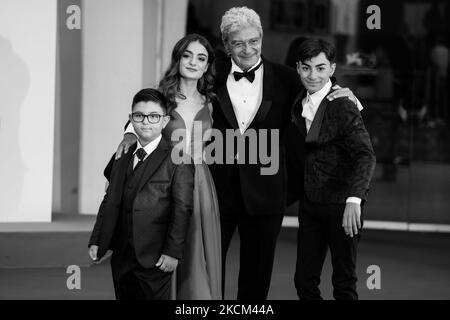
(152, 117)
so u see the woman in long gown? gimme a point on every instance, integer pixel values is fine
(187, 85)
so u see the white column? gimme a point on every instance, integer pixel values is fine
(27, 104)
(124, 46)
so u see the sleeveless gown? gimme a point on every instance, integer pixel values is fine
(199, 273)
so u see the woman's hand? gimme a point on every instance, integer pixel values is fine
(128, 140)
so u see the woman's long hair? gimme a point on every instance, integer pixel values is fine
(170, 83)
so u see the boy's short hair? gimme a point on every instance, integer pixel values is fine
(311, 48)
(149, 94)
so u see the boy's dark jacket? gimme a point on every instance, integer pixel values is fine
(161, 209)
(335, 159)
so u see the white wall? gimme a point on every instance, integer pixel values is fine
(121, 44)
(27, 102)
(164, 25)
(112, 73)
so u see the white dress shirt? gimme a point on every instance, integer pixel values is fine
(245, 96)
(149, 148)
(310, 104)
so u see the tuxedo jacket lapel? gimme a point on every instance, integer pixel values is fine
(223, 95)
(314, 130)
(153, 162)
(227, 107)
(268, 93)
(297, 109)
(313, 134)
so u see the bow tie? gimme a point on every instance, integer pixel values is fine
(250, 75)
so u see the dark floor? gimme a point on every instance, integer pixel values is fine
(413, 266)
(417, 193)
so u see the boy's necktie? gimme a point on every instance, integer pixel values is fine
(140, 153)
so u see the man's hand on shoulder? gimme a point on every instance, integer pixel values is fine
(342, 92)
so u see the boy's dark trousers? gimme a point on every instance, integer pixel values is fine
(131, 280)
(320, 227)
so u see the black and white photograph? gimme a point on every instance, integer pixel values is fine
(224, 156)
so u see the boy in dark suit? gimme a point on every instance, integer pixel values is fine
(337, 166)
(145, 213)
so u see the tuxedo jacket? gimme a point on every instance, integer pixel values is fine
(262, 194)
(160, 211)
(335, 159)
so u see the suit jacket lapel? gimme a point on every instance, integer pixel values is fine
(224, 97)
(227, 107)
(119, 174)
(223, 70)
(154, 160)
(268, 92)
(296, 112)
(313, 133)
